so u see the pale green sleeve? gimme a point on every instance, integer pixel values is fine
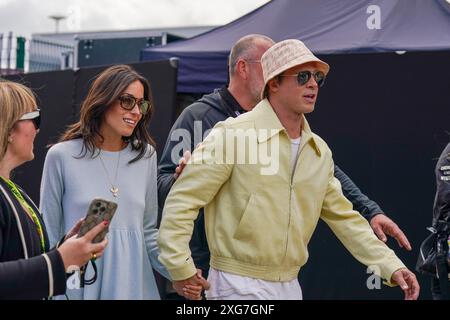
(195, 188)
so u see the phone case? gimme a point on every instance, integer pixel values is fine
(99, 211)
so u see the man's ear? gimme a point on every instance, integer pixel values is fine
(273, 85)
(242, 69)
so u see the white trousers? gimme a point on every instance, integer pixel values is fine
(227, 286)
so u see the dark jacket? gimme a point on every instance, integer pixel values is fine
(209, 110)
(441, 208)
(441, 217)
(22, 278)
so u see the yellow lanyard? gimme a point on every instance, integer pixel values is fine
(33, 214)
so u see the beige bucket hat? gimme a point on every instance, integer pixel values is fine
(285, 55)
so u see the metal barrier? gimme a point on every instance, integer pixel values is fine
(48, 55)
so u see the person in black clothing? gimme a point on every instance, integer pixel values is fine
(28, 269)
(441, 213)
(241, 95)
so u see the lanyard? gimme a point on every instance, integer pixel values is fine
(33, 214)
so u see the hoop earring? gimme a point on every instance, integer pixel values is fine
(136, 143)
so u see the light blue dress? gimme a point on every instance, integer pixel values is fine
(68, 186)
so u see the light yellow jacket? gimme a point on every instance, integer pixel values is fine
(259, 225)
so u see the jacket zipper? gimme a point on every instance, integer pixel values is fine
(291, 172)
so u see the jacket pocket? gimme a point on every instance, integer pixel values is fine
(244, 229)
(258, 238)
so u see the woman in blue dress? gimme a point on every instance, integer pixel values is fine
(110, 154)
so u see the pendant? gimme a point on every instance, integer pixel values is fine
(114, 191)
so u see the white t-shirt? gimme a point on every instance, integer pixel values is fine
(295, 145)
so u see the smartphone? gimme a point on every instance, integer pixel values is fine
(99, 211)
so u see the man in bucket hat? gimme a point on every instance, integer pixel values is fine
(259, 224)
(242, 94)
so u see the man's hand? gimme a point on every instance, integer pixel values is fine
(382, 225)
(181, 164)
(192, 287)
(408, 282)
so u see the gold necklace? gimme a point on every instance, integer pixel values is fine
(114, 188)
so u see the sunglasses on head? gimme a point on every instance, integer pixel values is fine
(128, 102)
(304, 76)
(34, 116)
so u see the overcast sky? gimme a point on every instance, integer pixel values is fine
(25, 17)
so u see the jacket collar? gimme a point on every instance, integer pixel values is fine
(268, 125)
(229, 103)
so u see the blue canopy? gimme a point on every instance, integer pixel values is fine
(326, 26)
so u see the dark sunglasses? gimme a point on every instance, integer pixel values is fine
(128, 102)
(34, 116)
(304, 76)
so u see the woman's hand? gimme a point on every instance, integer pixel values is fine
(78, 251)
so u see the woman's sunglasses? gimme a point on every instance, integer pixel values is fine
(304, 76)
(128, 102)
(34, 116)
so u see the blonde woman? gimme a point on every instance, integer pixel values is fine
(28, 269)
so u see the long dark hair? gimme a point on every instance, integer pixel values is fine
(106, 89)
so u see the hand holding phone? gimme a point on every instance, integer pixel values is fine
(99, 210)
